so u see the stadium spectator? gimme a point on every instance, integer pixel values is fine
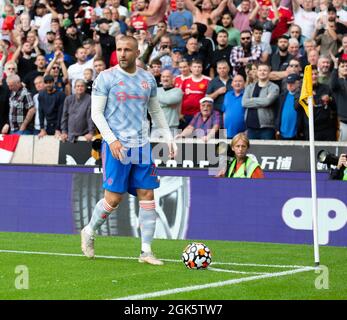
(155, 69)
(137, 21)
(221, 52)
(192, 52)
(88, 80)
(107, 42)
(59, 47)
(162, 52)
(294, 48)
(324, 112)
(154, 13)
(28, 79)
(251, 73)
(10, 68)
(241, 17)
(76, 119)
(289, 111)
(170, 99)
(194, 88)
(22, 110)
(75, 71)
(205, 44)
(98, 65)
(259, 101)
(241, 165)
(280, 59)
(329, 35)
(259, 18)
(338, 85)
(233, 111)
(57, 69)
(123, 11)
(340, 172)
(340, 10)
(4, 104)
(295, 32)
(51, 104)
(179, 24)
(39, 85)
(244, 54)
(264, 46)
(342, 52)
(284, 19)
(184, 69)
(22, 56)
(324, 64)
(233, 34)
(205, 124)
(305, 17)
(219, 85)
(207, 15)
(71, 39)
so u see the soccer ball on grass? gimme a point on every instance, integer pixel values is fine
(196, 256)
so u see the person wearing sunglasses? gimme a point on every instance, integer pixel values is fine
(245, 54)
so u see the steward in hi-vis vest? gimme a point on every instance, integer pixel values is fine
(241, 166)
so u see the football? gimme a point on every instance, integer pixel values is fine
(196, 256)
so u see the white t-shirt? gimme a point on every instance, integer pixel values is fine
(306, 20)
(75, 71)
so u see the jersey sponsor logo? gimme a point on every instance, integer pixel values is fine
(123, 96)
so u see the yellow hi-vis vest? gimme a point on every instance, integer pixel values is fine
(345, 175)
(245, 171)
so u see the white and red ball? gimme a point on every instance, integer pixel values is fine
(196, 256)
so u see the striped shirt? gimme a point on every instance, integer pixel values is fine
(20, 103)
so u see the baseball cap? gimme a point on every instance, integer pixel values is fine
(292, 78)
(206, 99)
(84, 2)
(48, 78)
(177, 50)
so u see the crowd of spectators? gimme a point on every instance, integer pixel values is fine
(232, 64)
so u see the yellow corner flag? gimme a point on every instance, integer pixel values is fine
(306, 90)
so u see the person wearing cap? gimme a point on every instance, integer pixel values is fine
(289, 110)
(51, 103)
(241, 165)
(205, 123)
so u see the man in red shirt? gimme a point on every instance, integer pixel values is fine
(286, 18)
(194, 88)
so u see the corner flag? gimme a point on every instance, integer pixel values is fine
(306, 90)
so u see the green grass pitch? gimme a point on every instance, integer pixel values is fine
(240, 270)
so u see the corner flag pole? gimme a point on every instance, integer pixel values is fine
(313, 183)
(306, 101)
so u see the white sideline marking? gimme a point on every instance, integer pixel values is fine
(211, 285)
(234, 271)
(167, 260)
